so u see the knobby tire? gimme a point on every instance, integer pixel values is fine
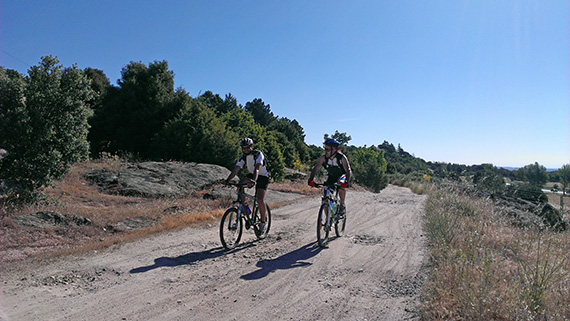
(322, 228)
(230, 232)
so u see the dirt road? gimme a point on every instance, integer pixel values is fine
(374, 272)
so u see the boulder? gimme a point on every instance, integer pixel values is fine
(158, 179)
(292, 174)
(51, 218)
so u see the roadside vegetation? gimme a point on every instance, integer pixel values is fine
(488, 265)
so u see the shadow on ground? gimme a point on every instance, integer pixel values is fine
(187, 259)
(289, 260)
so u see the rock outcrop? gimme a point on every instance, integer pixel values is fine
(158, 179)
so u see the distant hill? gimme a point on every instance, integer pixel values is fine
(401, 162)
(515, 168)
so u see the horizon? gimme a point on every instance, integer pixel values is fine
(456, 82)
(509, 167)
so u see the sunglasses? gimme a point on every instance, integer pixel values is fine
(328, 149)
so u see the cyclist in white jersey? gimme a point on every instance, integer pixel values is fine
(258, 176)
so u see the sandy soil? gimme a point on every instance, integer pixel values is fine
(374, 272)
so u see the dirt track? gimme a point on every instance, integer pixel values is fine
(374, 272)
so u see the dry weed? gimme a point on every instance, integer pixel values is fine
(484, 268)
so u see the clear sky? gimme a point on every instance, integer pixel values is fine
(457, 81)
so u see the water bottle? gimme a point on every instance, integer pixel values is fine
(333, 206)
(248, 209)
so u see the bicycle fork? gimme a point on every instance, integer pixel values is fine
(244, 209)
(233, 225)
(330, 213)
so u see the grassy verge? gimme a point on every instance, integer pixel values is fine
(485, 268)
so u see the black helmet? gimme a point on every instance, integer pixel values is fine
(332, 142)
(246, 142)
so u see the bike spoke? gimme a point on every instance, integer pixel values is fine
(322, 228)
(231, 228)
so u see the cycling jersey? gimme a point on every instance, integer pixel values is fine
(334, 168)
(255, 157)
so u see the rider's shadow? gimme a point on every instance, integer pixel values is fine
(186, 259)
(287, 261)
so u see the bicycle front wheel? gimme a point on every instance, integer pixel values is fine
(322, 227)
(231, 229)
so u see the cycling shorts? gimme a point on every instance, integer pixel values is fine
(262, 181)
(335, 179)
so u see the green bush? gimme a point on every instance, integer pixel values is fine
(43, 123)
(369, 168)
(530, 193)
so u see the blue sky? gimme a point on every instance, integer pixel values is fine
(458, 81)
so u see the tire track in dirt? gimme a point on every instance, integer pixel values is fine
(374, 272)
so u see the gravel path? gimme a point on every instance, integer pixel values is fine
(374, 272)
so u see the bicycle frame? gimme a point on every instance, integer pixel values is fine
(330, 197)
(242, 204)
(327, 217)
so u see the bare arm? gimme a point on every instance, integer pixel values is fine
(318, 165)
(256, 171)
(233, 173)
(347, 168)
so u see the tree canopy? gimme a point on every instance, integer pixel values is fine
(43, 123)
(535, 174)
(564, 173)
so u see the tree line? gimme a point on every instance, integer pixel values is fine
(56, 116)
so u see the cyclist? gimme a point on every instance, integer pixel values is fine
(338, 170)
(258, 175)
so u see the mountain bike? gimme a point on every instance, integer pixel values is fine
(240, 214)
(328, 215)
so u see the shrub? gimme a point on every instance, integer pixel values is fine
(369, 168)
(529, 193)
(43, 123)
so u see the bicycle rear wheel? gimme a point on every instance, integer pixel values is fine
(322, 227)
(231, 229)
(262, 234)
(339, 226)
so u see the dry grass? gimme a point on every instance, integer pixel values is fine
(484, 268)
(299, 187)
(76, 196)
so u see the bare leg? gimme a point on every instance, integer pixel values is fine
(342, 194)
(261, 203)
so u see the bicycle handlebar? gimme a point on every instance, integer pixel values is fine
(225, 183)
(323, 184)
(236, 184)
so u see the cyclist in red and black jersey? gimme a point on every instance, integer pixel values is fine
(338, 169)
